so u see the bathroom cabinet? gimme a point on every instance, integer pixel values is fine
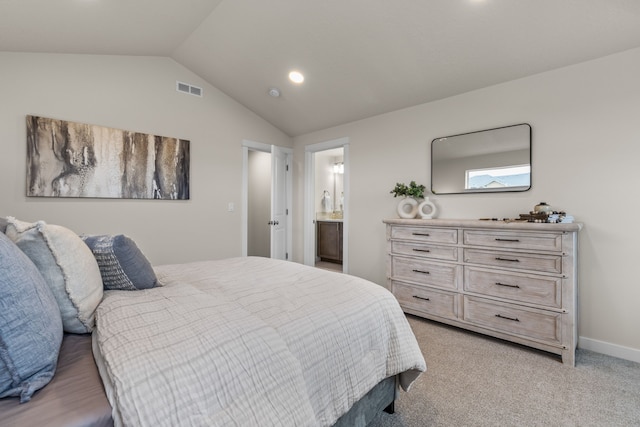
(329, 241)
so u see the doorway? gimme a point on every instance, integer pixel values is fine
(259, 204)
(329, 209)
(266, 201)
(326, 233)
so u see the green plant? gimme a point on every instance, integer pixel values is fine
(413, 190)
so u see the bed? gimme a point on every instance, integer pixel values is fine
(242, 341)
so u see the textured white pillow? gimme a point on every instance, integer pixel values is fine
(67, 265)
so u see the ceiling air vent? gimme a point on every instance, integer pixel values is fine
(187, 88)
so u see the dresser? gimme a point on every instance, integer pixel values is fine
(512, 280)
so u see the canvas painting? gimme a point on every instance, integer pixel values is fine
(67, 159)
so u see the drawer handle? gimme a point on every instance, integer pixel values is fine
(507, 259)
(515, 319)
(507, 285)
(421, 250)
(422, 298)
(421, 234)
(421, 271)
(507, 240)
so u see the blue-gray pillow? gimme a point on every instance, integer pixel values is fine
(122, 264)
(68, 267)
(30, 325)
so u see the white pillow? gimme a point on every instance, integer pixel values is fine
(67, 265)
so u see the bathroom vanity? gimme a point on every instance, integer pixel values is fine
(329, 240)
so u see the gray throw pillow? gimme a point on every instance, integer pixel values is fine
(30, 325)
(3, 225)
(67, 266)
(122, 264)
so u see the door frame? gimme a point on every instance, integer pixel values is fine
(247, 146)
(309, 200)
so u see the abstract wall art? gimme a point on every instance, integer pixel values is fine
(67, 159)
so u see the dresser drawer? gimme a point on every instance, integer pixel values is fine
(520, 261)
(425, 234)
(514, 240)
(448, 253)
(437, 303)
(525, 288)
(425, 272)
(528, 322)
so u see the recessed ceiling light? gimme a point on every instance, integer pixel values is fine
(296, 77)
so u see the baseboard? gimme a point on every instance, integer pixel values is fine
(615, 350)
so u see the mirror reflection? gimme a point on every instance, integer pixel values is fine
(487, 161)
(329, 183)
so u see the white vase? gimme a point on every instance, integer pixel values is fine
(426, 209)
(407, 208)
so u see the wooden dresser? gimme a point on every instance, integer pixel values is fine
(512, 280)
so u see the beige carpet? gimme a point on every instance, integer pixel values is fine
(472, 380)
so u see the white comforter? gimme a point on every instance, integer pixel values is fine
(249, 342)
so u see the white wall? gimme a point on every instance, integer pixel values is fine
(586, 149)
(138, 94)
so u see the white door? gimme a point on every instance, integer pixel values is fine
(280, 209)
(279, 203)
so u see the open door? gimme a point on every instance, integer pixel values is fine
(279, 205)
(273, 225)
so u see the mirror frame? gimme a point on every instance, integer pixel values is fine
(487, 190)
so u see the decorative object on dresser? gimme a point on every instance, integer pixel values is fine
(410, 206)
(511, 280)
(426, 209)
(543, 207)
(542, 212)
(407, 208)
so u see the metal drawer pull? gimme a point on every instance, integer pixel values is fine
(421, 250)
(507, 285)
(515, 319)
(424, 299)
(507, 240)
(507, 259)
(420, 234)
(421, 271)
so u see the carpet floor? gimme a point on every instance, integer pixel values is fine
(474, 380)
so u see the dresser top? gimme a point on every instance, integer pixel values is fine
(476, 223)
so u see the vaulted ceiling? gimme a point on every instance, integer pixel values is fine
(360, 58)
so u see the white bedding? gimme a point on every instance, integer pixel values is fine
(249, 342)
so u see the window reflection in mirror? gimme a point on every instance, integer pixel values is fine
(492, 160)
